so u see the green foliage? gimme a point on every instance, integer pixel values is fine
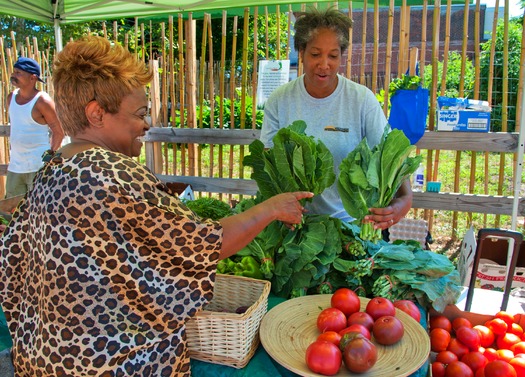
(204, 114)
(453, 77)
(513, 66)
(210, 208)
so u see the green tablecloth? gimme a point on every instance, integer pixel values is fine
(262, 365)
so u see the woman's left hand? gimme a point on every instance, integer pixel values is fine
(382, 218)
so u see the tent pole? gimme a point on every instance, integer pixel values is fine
(519, 167)
(58, 35)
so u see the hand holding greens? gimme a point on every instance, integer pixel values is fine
(370, 178)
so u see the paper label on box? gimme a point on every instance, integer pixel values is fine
(463, 120)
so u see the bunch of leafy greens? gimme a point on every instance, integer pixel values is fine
(296, 162)
(209, 208)
(370, 178)
(402, 270)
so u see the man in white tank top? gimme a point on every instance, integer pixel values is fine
(35, 127)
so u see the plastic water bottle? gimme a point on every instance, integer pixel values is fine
(419, 179)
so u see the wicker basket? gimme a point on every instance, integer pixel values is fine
(219, 335)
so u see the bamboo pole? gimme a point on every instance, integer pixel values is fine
(211, 91)
(401, 49)
(423, 47)
(182, 91)
(221, 89)
(388, 56)
(254, 63)
(163, 63)
(489, 91)
(362, 76)
(288, 30)
(191, 86)
(266, 33)
(375, 53)
(232, 94)
(504, 102)
(350, 45)
(244, 78)
(278, 37)
(202, 81)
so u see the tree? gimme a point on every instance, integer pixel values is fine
(513, 66)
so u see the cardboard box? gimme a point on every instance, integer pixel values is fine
(492, 265)
(463, 120)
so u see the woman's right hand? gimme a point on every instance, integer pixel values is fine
(287, 206)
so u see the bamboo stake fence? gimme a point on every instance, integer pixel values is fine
(189, 89)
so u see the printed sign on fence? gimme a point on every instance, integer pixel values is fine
(272, 74)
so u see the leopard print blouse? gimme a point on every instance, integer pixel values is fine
(101, 267)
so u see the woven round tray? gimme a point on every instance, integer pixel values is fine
(289, 328)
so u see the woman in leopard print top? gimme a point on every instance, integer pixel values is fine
(102, 265)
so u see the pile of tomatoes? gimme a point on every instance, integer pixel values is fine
(494, 349)
(346, 332)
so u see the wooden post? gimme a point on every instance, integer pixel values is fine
(153, 150)
(191, 85)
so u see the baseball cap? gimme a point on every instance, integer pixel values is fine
(29, 65)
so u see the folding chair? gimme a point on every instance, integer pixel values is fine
(496, 234)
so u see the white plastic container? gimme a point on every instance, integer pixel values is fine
(418, 179)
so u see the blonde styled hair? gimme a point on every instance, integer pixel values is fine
(93, 69)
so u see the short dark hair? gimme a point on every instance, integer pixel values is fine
(308, 23)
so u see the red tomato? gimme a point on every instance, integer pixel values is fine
(507, 340)
(331, 319)
(469, 337)
(505, 355)
(360, 355)
(379, 307)
(356, 327)
(446, 357)
(346, 301)
(486, 335)
(457, 347)
(388, 330)
(460, 322)
(330, 336)
(439, 339)
(408, 307)
(499, 368)
(440, 321)
(518, 348)
(515, 329)
(475, 360)
(518, 363)
(480, 372)
(497, 325)
(438, 369)
(458, 369)
(323, 357)
(506, 316)
(491, 354)
(361, 318)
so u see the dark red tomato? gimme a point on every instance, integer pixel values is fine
(460, 322)
(458, 369)
(361, 318)
(438, 369)
(330, 336)
(408, 307)
(440, 321)
(458, 348)
(469, 337)
(323, 357)
(439, 339)
(388, 330)
(331, 319)
(379, 307)
(475, 360)
(360, 355)
(446, 357)
(499, 368)
(356, 327)
(348, 337)
(346, 301)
